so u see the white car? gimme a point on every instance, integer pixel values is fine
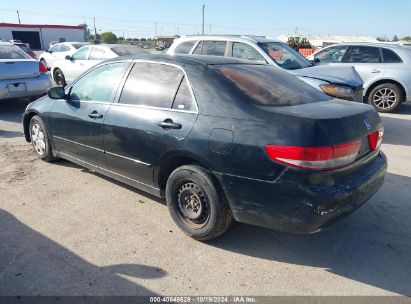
(59, 51)
(65, 71)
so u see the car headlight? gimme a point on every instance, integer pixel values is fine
(340, 91)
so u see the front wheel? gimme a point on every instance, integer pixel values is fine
(386, 97)
(196, 204)
(40, 139)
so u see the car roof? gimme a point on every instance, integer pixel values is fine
(374, 44)
(248, 38)
(187, 59)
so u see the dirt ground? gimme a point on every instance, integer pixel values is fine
(67, 231)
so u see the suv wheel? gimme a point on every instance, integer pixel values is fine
(196, 205)
(386, 97)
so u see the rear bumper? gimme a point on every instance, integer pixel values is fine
(303, 203)
(26, 87)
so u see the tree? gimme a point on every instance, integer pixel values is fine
(129, 39)
(108, 37)
(406, 38)
(395, 38)
(382, 38)
(87, 32)
(120, 38)
(136, 39)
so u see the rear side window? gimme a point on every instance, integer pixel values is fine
(245, 51)
(81, 54)
(212, 48)
(152, 84)
(184, 99)
(12, 52)
(268, 86)
(390, 56)
(184, 48)
(364, 54)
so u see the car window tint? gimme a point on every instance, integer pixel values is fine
(55, 48)
(151, 84)
(98, 54)
(245, 51)
(390, 56)
(198, 48)
(267, 86)
(213, 48)
(364, 54)
(99, 84)
(184, 48)
(12, 52)
(81, 54)
(332, 54)
(184, 99)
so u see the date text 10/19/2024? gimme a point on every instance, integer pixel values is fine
(203, 299)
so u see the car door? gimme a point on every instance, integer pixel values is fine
(155, 112)
(76, 124)
(77, 64)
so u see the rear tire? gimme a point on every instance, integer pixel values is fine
(196, 204)
(59, 78)
(386, 97)
(40, 139)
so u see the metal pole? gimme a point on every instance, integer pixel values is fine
(95, 30)
(155, 24)
(203, 17)
(18, 16)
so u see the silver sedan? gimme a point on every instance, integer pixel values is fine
(384, 68)
(20, 75)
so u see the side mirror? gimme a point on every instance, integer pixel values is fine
(68, 57)
(49, 51)
(56, 93)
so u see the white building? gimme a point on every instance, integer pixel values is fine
(319, 41)
(39, 36)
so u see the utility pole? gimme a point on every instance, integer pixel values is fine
(18, 16)
(95, 30)
(203, 17)
(155, 24)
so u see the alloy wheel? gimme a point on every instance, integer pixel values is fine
(38, 139)
(385, 98)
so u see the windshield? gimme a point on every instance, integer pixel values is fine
(285, 56)
(131, 50)
(269, 86)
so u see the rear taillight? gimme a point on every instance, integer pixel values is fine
(42, 68)
(375, 139)
(315, 158)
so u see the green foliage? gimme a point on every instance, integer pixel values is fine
(406, 38)
(395, 38)
(108, 37)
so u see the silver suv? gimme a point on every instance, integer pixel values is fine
(384, 68)
(344, 82)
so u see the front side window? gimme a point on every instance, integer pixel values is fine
(184, 48)
(55, 48)
(364, 54)
(100, 84)
(285, 56)
(267, 86)
(81, 54)
(331, 55)
(151, 84)
(245, 51)
(390, 56)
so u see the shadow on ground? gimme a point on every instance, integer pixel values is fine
(372, 246)
(32, 264)
(12, 109)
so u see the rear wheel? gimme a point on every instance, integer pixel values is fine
(196, 204)
(386, 97)
(40, 139)
(59, 78)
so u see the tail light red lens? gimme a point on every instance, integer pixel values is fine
(315, 158)
(375, 139)
(42, 68)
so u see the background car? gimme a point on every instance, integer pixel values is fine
(65, 71)
(59, 51)
(25, 47)
(21, 75)
(344, 82)
(384, 68)
(220, 139)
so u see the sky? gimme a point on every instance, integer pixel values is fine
(137, 19)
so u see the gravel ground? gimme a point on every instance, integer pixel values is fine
(67, 231)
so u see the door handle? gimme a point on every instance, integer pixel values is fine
(95, 115)
(169, 124)
(375, 71)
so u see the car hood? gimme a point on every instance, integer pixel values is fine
(332, 74)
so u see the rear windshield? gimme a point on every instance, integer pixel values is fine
(12, 52)
(125, 51)
(78, 45)
(269, 86)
